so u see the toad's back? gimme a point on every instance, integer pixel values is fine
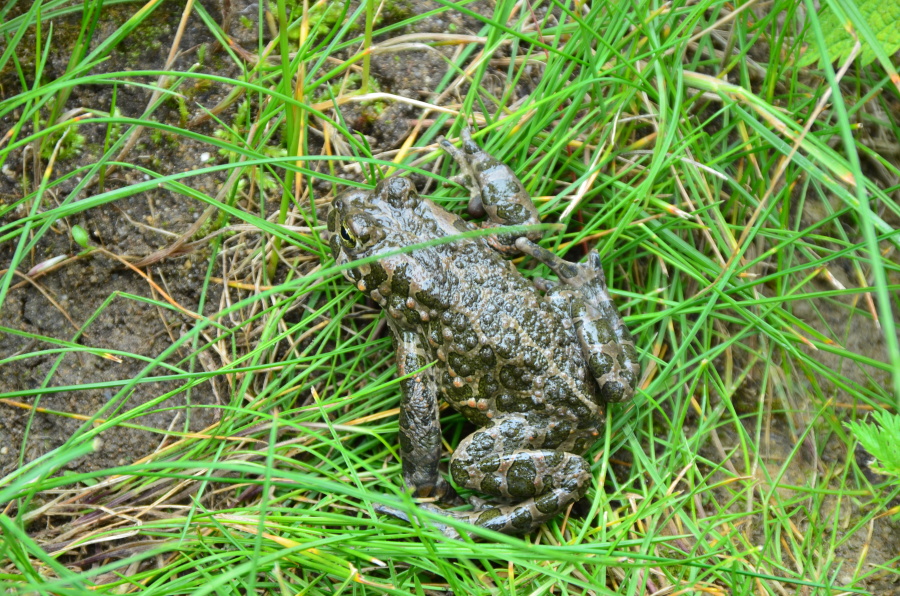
(500, 346)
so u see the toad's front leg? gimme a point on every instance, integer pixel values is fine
(420, 425)
(494, 189)
(420, 429)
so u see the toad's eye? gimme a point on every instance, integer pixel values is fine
(347, 237)
(358, 231)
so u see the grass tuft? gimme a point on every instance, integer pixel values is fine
(745, 209)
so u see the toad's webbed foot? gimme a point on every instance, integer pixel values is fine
(445, 529)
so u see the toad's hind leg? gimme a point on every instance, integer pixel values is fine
(537, 484)
(606, 343)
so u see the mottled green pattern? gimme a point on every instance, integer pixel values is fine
(530, 368)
